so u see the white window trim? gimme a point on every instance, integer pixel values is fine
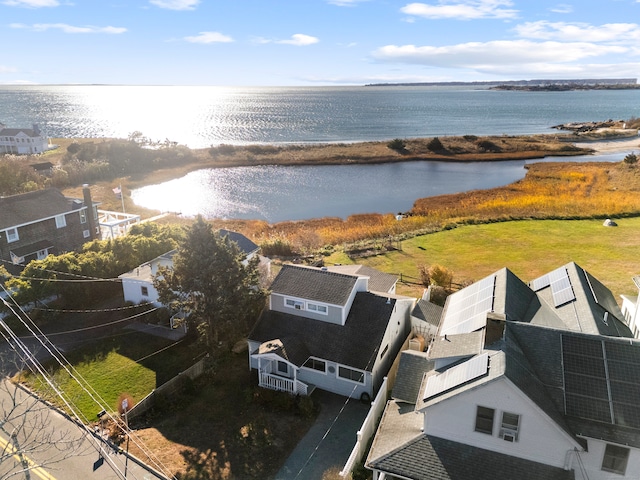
(83, 216)
(293, 303)
(15, 234)
(315, 307)
(86, 233)
(364, 375)
(61, 221)
(315, 369)
(509, 432)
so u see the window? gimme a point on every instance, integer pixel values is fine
(42, 254)
(12, 235)
(484, 420)
(510, 426)
(289, 302)
(317, 308)
(86, 233)
(283, 367)
(83, 216)
(61, 221)
(316, 364)
(384, 351)
(144, 291)
(615, 459)
(349, 374)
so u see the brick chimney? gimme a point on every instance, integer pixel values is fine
(92, 217)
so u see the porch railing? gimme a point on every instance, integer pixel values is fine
(275, 382)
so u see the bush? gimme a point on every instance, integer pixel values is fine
(631, 159)
(397, 145)
(435, 145)
(488, 146)
(440, 276)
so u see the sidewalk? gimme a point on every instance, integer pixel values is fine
(315, 454)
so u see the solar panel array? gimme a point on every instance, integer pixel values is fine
(467, 309)
(602, 380)
(455, 376)
(561, 288)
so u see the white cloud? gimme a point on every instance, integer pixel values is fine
(6, 69)
(175, 4)
(41, 27)
(562, 8)
(486, 56)
(209, 37)
(580, 32)
(300, 40)
(32, 3)
(462, 10)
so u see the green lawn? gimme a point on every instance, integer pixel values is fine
(527, 248)
(131, 363)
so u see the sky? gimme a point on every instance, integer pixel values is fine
(315, 42)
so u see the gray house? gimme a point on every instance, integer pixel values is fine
(328, 330)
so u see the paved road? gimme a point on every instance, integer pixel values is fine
(56, 447)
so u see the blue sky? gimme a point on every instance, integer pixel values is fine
(315, 42)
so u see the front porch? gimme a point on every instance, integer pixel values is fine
(276, 373)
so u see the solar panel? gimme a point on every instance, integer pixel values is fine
(561, 287)
(602, 379)
(540, 283)
(456, 376)
(467, 308)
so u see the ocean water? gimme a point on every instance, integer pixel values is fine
(202, 116)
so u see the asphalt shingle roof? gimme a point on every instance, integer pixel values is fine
(378, 281)
(428, 312)
(432, 458)
(314, 284)
(411, 369)
(356, 343)
(32, 206)
(245, 245)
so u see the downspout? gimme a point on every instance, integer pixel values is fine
(88, 204)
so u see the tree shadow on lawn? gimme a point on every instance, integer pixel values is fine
(229, 426)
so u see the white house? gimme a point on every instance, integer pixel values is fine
(537, 381)
(137, 284)
(22, 141)
(328, 330)
(631, 311)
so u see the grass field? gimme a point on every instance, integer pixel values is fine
(527, 248)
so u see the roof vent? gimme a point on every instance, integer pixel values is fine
(605, 319)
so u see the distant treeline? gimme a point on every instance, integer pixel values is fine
(541, 82)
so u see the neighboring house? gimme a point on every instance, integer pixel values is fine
(328, 330)
(631, 309)
(535, 381)
(35, 224)
(137, 285)
(22, 141)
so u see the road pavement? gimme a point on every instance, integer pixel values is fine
(56, 447)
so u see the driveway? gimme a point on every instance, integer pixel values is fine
(329, 441)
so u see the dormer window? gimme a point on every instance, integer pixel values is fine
(291, 303)
(317, 308)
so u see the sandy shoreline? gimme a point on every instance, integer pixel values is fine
(611, 146)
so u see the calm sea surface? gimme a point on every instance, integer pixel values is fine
(203, 116)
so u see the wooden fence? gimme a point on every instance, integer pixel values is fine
(167, 388)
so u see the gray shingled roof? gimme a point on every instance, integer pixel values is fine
(378, 281)
(432, 458)
(428, 312)
(32, 206)
(461, 345)
(411, 369)
(32, 248)
(12, 132)
(355, 344)
(245, 245)
(314, 284)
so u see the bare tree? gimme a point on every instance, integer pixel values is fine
(27, 441)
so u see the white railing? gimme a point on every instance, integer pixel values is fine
(368, 428)
(275, 382)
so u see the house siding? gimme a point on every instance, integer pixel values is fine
(592, 462)
(63, 239)
(454, 419)
(334, 313)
